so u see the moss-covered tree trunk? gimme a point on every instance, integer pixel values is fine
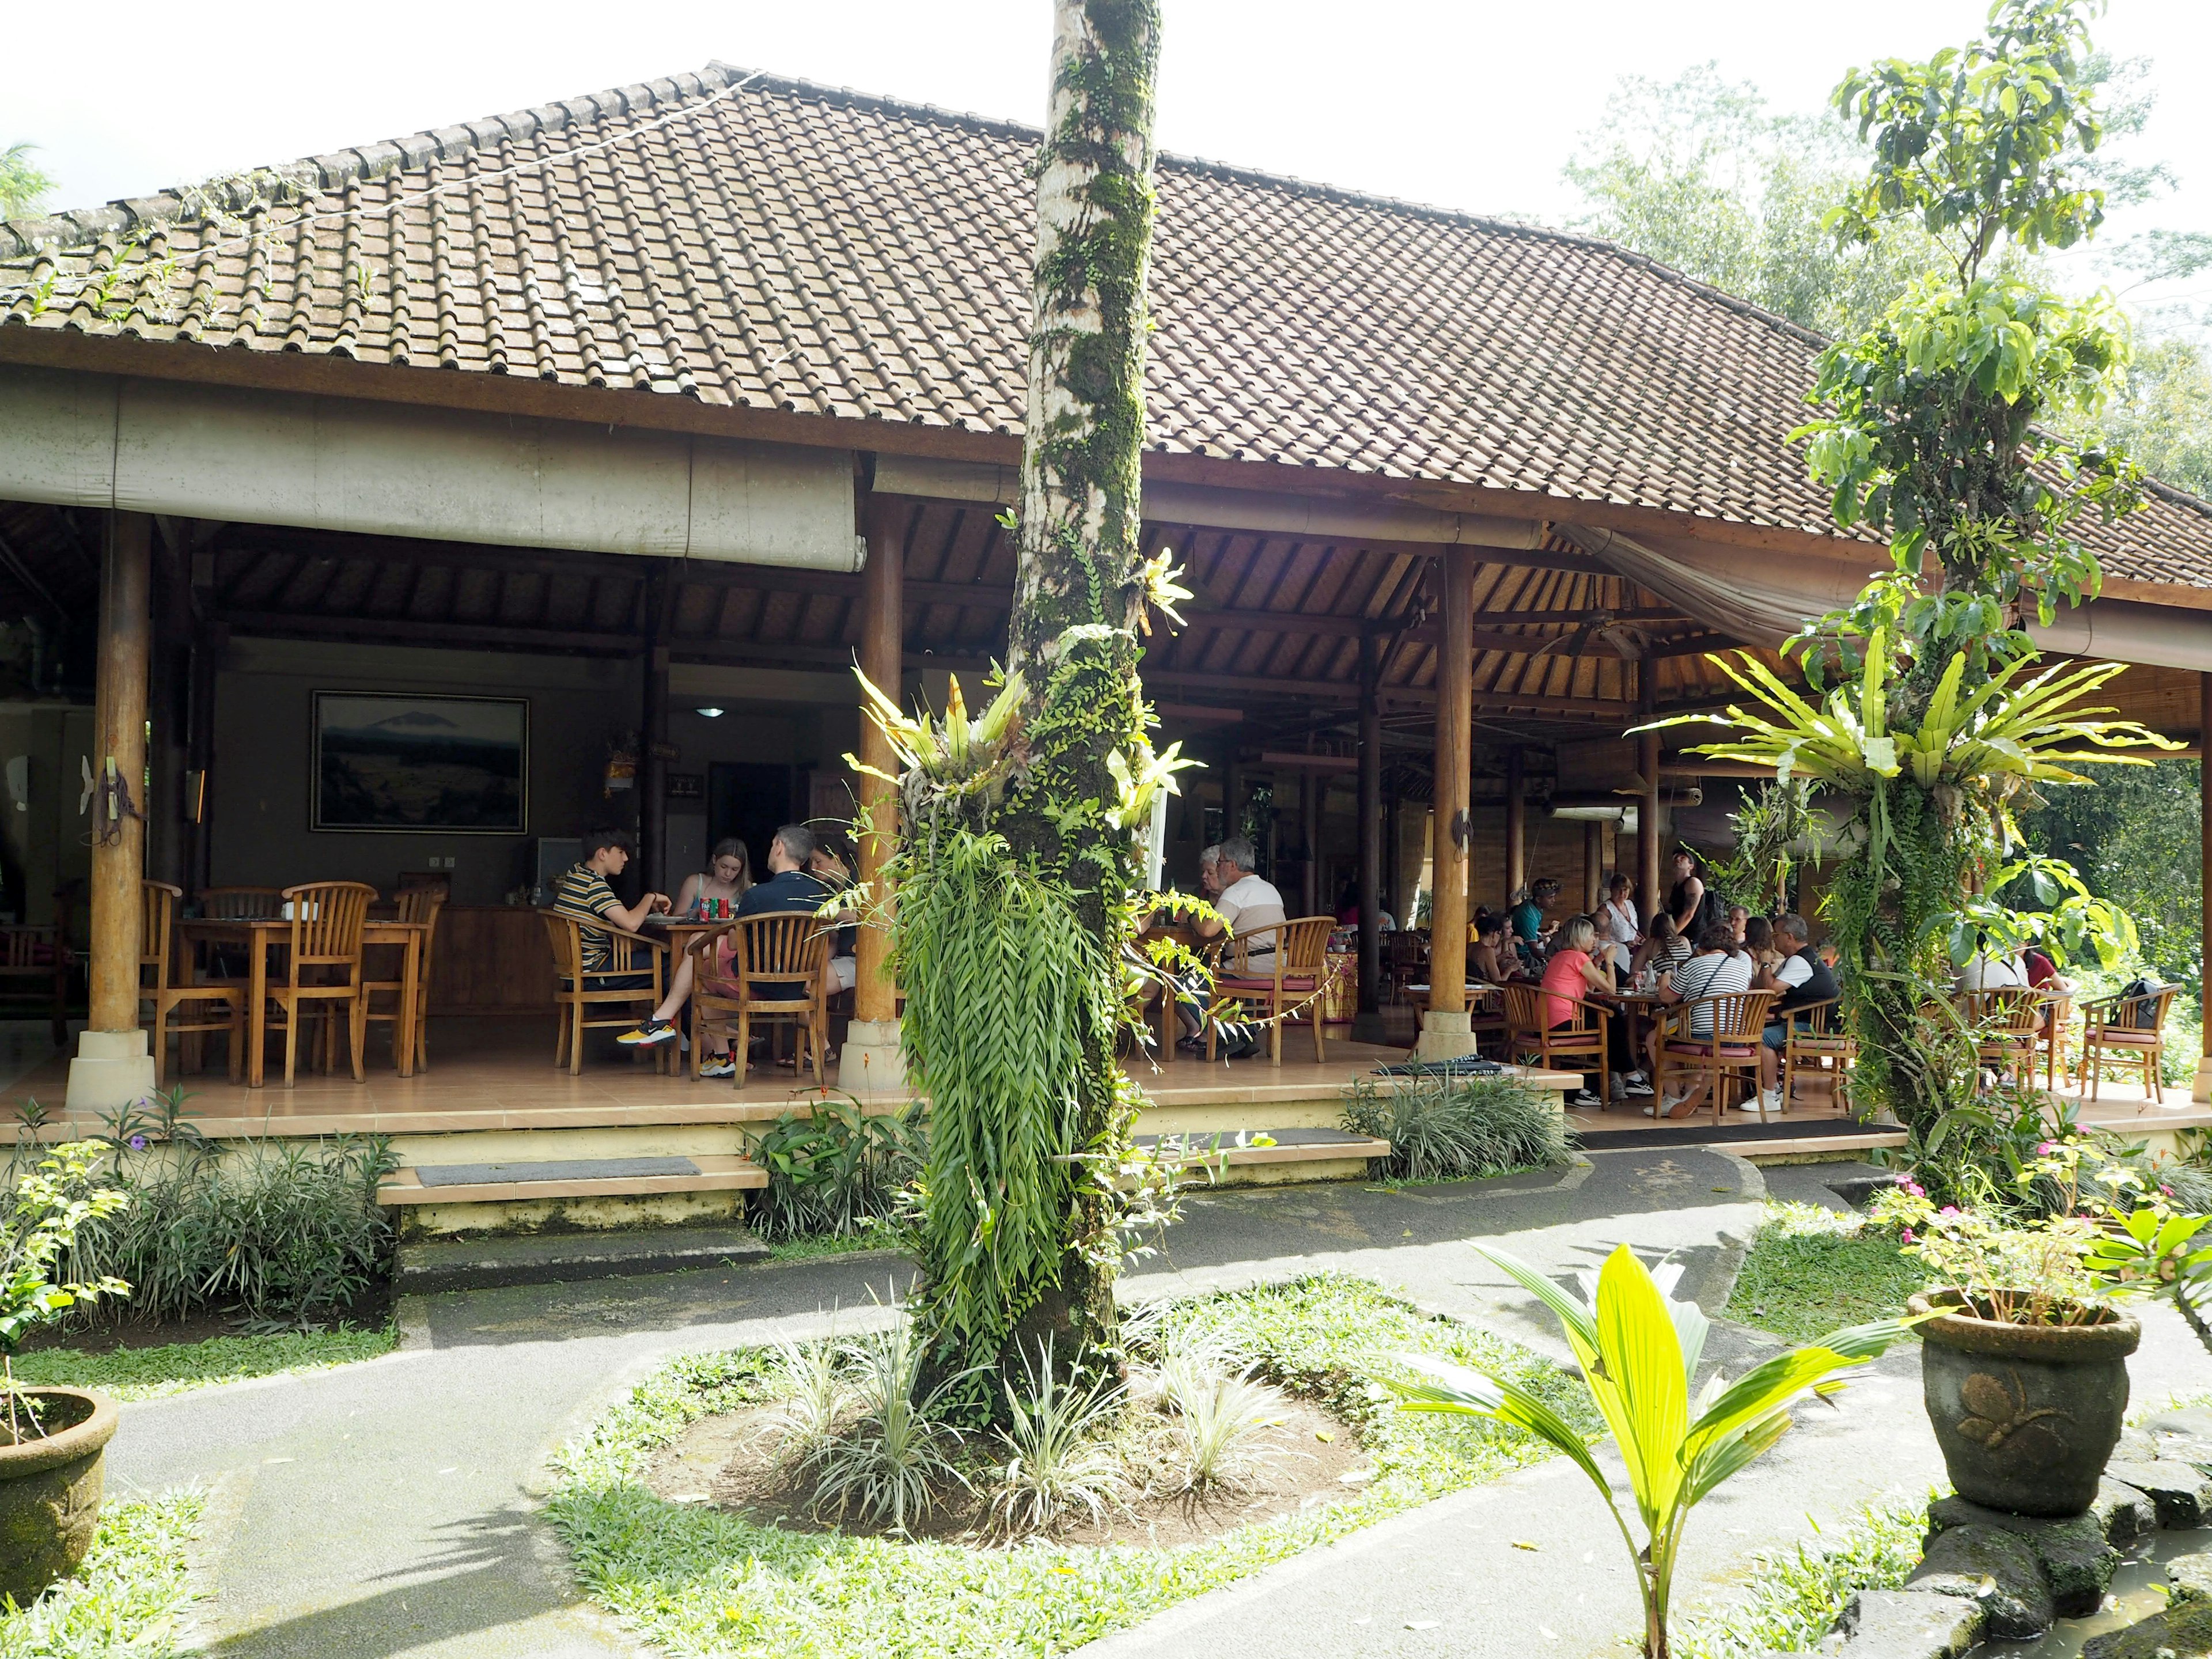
(1067, 851)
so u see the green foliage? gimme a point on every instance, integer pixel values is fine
(54, 1200)
(1058, 1463)
(835, 1170)
(153, 1373)
(1639, 1349)
(1771, 822)
(1225, 1416)
(2132, 831)
(130, 1596)
(1810, 1270)
(1455, 1128)
(287, 1232)
(889, 1462)
(1794, 1594)
(23, 185)
(697, 1580)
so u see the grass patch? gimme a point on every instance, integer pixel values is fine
(1811, 1271)
(149, 1373)
(1459, 1128)
(1796, 1594)
(699, 1581)
(872, 1235)
(129, 1595)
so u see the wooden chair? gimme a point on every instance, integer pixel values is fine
(2126, 1030)
(242, 903)
(577, 991)
(417, 905)
(1405, 963)
(769, 955)
(1291, 988)
(37, 958)
(1819, 1049)
(2058, 1010)
(156, 954)
(1578, 1044)
(2007, 1021)
(1739, 1018)
(1485, 1014)
(322, 970)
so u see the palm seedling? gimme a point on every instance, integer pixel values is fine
(1059, 1463)
(1639, 1348)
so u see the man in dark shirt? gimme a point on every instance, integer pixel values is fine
(791, 887)
(1802, 979)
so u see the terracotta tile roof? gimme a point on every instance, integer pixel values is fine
(766, 243)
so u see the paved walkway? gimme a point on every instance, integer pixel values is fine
(386, 1509)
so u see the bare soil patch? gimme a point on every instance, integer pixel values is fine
(728, 1461)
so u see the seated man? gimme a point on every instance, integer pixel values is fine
(1250, 907)
(829, 866)
(1802, 978)
(793, 885)
(583, 892)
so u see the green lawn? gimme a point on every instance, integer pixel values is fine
(128, 1598)
(1794, 1595)
(697, 1581)
(874, 1236)
(1812, 1271)
(146, 1373)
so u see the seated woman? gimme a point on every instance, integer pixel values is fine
(1722, 967)
(728, 874)
(1757, 938)
(1490, 959)
(1619, 930)
(1663, 948)
(1571, 973)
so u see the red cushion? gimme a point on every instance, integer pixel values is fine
(2128, 1038)
(1702, 1050)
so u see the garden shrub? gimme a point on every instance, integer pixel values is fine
(1446, 1128)
(834, 1170)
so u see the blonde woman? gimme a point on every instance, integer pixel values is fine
(727, 875)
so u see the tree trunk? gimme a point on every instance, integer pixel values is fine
(1080, 588)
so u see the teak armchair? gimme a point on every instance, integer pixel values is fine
(777, 976)
(1738, 1017)
(39, 958)
(1581, 1038)
(156, 954)
(322, 970)
(2126, 1030)
(2007, 1022)
(420, 905)
(1288, 984)
(1817, 1050)
(579, 991)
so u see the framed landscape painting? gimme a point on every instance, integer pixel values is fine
(399, 762)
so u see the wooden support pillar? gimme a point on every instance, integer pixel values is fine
(1368, 1027)
(113, 1067)
(168, 701)
(871, 1064)
(1593, 866)
(1648, 841)
(1517, 825)
(652, 742)
(1444, 1028)
(2203, 1087)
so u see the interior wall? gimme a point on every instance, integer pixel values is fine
(43, 837)
(260, 782)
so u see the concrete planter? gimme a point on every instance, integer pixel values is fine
(2026, 1415)
(50, 1490)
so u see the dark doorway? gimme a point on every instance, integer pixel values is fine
(751, 801)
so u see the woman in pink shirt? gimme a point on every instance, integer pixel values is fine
(1567, 976)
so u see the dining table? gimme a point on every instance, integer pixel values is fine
(1186, 935)
(258, 936)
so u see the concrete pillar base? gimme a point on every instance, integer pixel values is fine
(2202, 1090)
(1444, 1035)
(111, 1070)
(871, 1064)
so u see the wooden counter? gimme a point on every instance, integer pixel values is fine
(491, 959)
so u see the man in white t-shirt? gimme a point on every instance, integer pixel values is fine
(1252, 908)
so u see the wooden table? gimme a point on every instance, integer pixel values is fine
(1635, 1005)
(1186, 935)
(259, 936)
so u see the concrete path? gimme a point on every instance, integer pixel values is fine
(387, 1508)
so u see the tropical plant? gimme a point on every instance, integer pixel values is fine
(23, 185)
(1639, 1348)
(808, 1382)
(2025, 1272)
(889, 1463)
(52, 1199)
(1772, 824)
(1450, 1128)
(835, 1169)
(1059, 1463)
(1225, 1418)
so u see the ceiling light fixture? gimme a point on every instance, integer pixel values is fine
(711, 713)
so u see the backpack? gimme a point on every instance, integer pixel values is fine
(2142, 996)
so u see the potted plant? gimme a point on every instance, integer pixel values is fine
(2024, 1363)
(52, 1440)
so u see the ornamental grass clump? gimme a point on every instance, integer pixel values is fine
(1637, 1349)
(1447, 1129)
(1061, 1459)
(1226, 1419)
(889, 1462)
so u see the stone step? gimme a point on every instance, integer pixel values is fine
(569, 1257)
(517, 1182)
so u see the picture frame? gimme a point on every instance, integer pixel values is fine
(386, 763)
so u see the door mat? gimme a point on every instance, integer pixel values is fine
(578, 1168)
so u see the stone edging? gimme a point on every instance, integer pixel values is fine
(1988, 1575)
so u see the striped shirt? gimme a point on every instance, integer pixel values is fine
(1711, 974)
(583, 892)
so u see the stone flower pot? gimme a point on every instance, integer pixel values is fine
(2026, 1414)
(50, 1490)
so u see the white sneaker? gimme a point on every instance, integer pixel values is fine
(1634, 1087)
(1583, 1101)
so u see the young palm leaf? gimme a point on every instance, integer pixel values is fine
(1639, 1348)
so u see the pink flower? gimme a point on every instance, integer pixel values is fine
(1907, 1235)
(1916, 1189)
(1948, 1210)
(2046, 1148)
(2168, 1191)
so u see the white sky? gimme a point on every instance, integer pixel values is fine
(1465, 103)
